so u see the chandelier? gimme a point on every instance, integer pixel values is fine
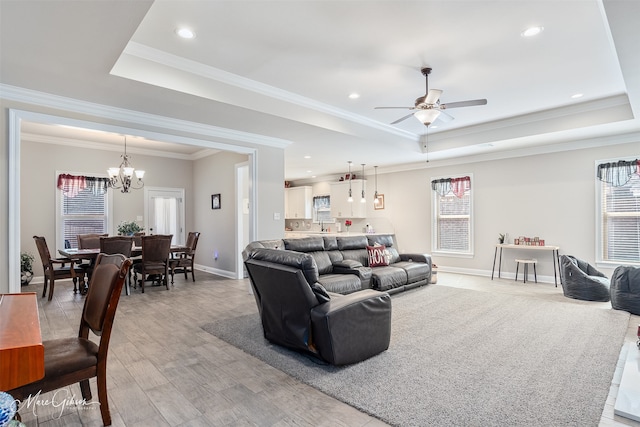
(120, 177)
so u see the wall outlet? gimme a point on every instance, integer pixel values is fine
(139, 218)
(276, 216)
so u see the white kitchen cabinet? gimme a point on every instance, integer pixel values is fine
(298, 202)
(340, 207)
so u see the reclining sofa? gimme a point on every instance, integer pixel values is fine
(344, 265)
(297, 312)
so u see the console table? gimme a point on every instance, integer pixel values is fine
(555, 255)
(21, 349)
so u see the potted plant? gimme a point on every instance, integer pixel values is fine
(128, 228)
(26, 268)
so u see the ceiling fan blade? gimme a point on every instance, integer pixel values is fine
(433, 96)
(445, 117)
(386, 108)
(459, 104)
(402, 118)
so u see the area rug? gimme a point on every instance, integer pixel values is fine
(467, 358)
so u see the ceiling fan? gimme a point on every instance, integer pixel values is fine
(429, 106)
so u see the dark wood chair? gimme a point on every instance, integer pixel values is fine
(56, 268)
(88, 241)
(183, 261)
(75, 360)
(155, 259)
(118, 245)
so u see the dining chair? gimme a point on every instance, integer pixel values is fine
(155, 259)
(88, 241)
(77, 359)
(56, 268)
(184, 260)
(118, 245)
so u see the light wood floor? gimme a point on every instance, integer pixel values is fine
(166, 371)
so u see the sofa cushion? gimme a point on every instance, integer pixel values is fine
(305, 244)
(377, 256)
(352, 242)
(416, 271)
(341, 283)
(304, 262)
(384, 278)
(330, 243)
(360, 255)
(323, 261)
(380, 239)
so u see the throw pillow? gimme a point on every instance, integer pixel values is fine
(377, 256)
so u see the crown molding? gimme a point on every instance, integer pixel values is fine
(18, 94)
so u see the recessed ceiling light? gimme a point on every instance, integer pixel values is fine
(531, 31)
(309, 171)
(185, 33)
(577, 95)
(354, 95)
(307, 156)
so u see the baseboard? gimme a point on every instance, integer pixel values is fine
(216, 271)
(503, 275)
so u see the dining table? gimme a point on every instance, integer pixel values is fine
(91, 254)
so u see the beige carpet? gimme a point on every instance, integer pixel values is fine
(467, 358)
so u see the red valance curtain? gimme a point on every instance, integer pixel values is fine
(72, 185)
(618, 173)
(457, 186)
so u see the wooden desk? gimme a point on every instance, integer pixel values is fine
(21, 349)
(555, 254)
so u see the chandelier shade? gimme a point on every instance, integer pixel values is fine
(427, 116)
(122, 177)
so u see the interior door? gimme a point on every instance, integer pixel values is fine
(164, 208)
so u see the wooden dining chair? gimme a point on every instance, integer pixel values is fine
(155, 259)
(183, 261)
(77, 359)
(88, 241)
(56, 268)
(118, 245)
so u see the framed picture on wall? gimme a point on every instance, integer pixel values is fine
(215, 201)
(380, 204)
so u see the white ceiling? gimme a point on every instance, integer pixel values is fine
(284, 69)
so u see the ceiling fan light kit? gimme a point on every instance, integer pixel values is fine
(429, 106)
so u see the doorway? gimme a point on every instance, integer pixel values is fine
(164, 212)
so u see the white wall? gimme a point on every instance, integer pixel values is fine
(38, 189)
(551, 196)
(216, 175)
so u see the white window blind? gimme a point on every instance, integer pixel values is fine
(452, 215)
(86, 212)
(322, 209)
(619, 217)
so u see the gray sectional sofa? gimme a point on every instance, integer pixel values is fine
(343, 262)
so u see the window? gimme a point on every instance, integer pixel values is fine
(322, 210)
(618, 191)
(451, 226)
(82, 208)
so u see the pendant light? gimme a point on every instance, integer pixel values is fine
(350, 198)
(121, 177)
(376, 202)
(362, 198)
